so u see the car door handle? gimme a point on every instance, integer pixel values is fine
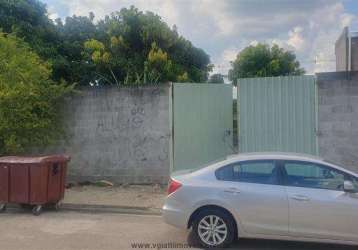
(299, 197)
(232, 190)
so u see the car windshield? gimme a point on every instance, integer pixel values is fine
(333, 162)
(354, 178)
(337, 164)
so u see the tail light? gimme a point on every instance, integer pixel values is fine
(173, 186)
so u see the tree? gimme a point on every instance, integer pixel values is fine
(141, 48)
(70, 64)
(28, 19)
(28, 98)
(216, 78)
(127, 36)
(158, 67)
(263, 61)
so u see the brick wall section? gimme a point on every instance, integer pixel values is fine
(118, 134)
(354, 53)
(338, 117)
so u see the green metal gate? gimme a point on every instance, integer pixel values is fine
(201, 123)
(277, 114)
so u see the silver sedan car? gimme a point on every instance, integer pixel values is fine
(266, 196)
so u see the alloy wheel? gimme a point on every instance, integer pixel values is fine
(212, 230)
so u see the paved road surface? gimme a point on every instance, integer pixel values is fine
(71, 230)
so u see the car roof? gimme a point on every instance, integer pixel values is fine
(285, 156)
(274, 155)
(210, 167)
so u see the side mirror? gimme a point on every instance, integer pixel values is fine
(349, 187)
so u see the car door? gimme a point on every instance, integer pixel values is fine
(318, 206)
(252, 187)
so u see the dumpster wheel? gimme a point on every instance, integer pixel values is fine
(2, 208)
(57, 206)
(36, 210)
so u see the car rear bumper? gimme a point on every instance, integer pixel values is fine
(175, 216)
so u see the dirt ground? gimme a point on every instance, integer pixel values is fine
(133, 196)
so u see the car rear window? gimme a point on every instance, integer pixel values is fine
(262, 172)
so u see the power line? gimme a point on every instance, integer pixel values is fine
(305, 61)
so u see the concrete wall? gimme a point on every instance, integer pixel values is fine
(341, 51)
(118, 134)
(338, 117)
(344, 60)
(354, 53)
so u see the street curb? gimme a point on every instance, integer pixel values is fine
(109, 209)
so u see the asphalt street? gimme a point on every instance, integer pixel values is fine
(86, 231)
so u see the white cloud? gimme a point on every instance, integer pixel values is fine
(254, 43)
(166, 9)
(52, 14)
(216, 11)
(296, 39)
(230, 54)
(329, 22)
(222, 64)
(346, 19)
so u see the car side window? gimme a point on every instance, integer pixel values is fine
(261, 172)
(311, 175)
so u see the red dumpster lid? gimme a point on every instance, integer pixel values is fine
(37, 159)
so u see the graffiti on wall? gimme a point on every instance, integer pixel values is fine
(121, 131)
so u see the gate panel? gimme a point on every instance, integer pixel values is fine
(277, 114)
(202, 124)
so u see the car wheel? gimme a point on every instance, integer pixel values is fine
(214, 228)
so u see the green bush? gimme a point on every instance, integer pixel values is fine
(29, 99)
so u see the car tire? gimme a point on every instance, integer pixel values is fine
(211, 236)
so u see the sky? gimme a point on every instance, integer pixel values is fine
(224, 27)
